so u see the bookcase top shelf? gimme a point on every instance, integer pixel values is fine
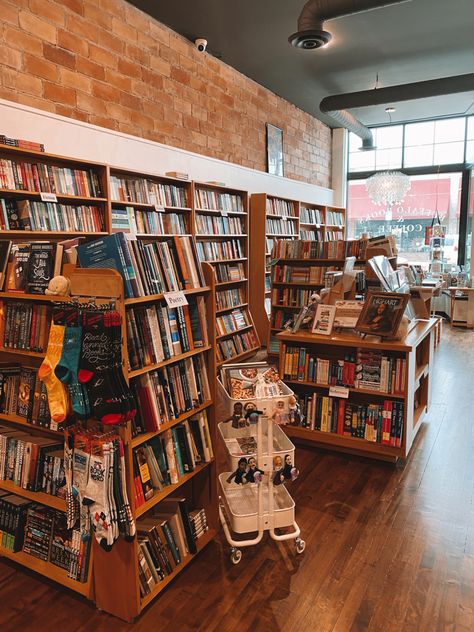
(60, 197)
(419, 331)
(44, 156)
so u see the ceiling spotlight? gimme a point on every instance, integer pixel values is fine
(390, 109)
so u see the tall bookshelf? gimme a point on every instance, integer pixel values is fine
(409, 394)
(322, 223)
(220, 222)
(271, 218)
(117, 202)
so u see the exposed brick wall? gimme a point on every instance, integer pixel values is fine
(107, 63)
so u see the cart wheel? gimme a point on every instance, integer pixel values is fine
(235, 556)
(300, 545)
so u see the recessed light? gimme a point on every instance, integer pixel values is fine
(390, 109)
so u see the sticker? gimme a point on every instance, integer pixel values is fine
(339, 391)
(175, 299)
(48, 197)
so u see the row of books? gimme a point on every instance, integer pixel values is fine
(238, 344)
(41, 177)
(159, 332)
(165, 394)
(378, 423)
(216, 200)
(367, 370)
(226, 299)
(23, 394)
(215, 250)
(164, 459)
(311, 215)
(232, 321)
(277, 206)
(281, 227)
(269, 244)
(22, 459)
(24, 326)
(47, 538)
(285, 249)
(49, 216)
(144, 191)
(315, 234)
(334, 235)
(290, 297)
(299, 274)
(280, 317)
(146, 269)
(334, 218)
(22, 144)
(217, 225)
(229, 272)
(165, 538)
(145, 222)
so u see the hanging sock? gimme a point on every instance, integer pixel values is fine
(67, 370)
(57, 394)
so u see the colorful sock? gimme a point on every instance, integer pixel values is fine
(129, 406)
(67, 368)
(96, 348)
(105, 404)
(96, 495)
(131, 529)
(57, 395)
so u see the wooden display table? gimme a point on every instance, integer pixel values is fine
(464, 292)
(413, 392)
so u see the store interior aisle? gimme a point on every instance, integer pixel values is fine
(387, 548)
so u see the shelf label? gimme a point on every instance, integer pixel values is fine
(339, 391)
(48, 197)
(175, 299)
(159, 208)
(224, 213)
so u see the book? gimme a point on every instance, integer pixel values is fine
(40, 267)
(5, 247)
(17, 275)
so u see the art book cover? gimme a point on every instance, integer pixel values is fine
(382, 313)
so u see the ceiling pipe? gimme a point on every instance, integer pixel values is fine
(335, 106)
(311, 33)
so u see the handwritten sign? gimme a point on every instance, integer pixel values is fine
(48, 197)
(339, 391)
(175, 299)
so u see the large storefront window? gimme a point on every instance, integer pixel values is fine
(409, 220)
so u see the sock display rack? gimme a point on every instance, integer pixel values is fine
(359, 395)
(221, 231)
(57, 198)
(272, 219)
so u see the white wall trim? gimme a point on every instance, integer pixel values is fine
(69, 137)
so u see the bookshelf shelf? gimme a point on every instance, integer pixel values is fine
(159, 235)
(232, 333)
(60, 197)
(158, 297)
(169, 489)
(143, 438)
(218, 211)
(30, 354)
(371, 393)
(222, 236)
(200, 544)
(49, 570)
(172, 360)
(406, 408)
(241, 357)
(217, 261)
(43, 298)
(20, 421)
(38, 497)
(234, 282)
(300, 284)
(151, 207)
(51, 234)
(229, 309)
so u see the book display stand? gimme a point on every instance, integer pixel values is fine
(361, 396)
(221, 230)
(272, 219)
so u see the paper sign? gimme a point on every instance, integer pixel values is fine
(159, 208)
(175, 299)
(224, 213)
(48, 197)
(339, 391)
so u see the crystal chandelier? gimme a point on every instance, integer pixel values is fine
(388, 187)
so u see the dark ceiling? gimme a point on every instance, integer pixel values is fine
(418, 40)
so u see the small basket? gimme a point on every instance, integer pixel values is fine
(241, 506)
(228, 405)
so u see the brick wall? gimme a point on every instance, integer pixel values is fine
(107, 63)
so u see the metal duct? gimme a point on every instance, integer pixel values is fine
(311, 33)
(335, 106)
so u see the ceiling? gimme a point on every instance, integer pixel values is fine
(414, 41)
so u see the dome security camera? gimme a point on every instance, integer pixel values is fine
(201, 44)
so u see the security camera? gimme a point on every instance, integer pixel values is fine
(201, 44)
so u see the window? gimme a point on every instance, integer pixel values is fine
(409, 220)
(470, 141)
(388, 152)
(435, 143)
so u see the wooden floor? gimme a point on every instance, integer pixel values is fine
(387, 549)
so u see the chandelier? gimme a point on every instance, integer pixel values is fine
(388, 187)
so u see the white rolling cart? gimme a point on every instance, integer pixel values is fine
(258, 507)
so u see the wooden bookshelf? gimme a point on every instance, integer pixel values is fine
(221, 228)
(415, 394)
(267, 214)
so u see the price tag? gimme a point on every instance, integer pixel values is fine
(175, 299)
(339, 391)
(159, 208)
(224, 213)
(48, 197)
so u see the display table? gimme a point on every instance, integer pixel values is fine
(458, 294)
(410, 397)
